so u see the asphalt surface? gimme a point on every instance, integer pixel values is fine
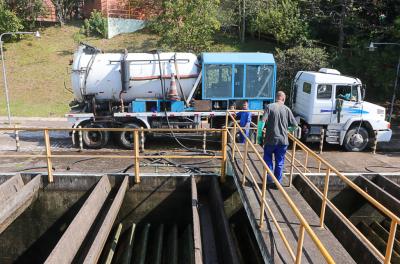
(387, 158)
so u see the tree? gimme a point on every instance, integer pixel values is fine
(187, 25)
(27, 10)
(296, 59)
(9, 22)
(282, 19)
(65, 9)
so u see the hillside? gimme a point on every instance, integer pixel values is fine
(38, 69)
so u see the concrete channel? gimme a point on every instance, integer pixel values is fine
(95, 218)
(109, 219)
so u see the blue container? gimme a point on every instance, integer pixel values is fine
(177, 106)
(138, 106)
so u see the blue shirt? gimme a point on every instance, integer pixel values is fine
(245, 118)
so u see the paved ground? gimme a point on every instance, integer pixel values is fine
(387, 158)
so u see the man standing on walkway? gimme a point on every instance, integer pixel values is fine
(277, 117)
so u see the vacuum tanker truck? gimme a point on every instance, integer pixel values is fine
(182, 90)
(163, 90)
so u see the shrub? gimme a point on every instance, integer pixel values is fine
(9, 22)
(295, 59)
(96, 25)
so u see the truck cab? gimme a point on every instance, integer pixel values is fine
(326, 100)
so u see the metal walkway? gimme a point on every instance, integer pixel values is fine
(271, 245)
(287, 229)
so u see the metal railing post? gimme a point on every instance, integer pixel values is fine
(321, 142)
(141, 139)
(137, 164)
(263, 190)
(306, 162)
(246, 148)
(324, 198)
(375, 142)
(234, 140)
(204, 142)
(17, 146)
(389, 246)
(226, 119)
(300, 244)
(48, 155)
(223, 160)
(292, 163)
(80, 139)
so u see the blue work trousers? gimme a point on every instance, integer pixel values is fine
(279, 152)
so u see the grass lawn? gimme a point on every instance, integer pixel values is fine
(38, 69)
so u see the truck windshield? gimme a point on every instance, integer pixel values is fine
(259, 80)
(347, 92)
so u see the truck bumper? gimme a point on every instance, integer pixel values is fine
(384, 135)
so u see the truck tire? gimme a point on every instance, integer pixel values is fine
(95, 139)
(125, 138)
(356, 139)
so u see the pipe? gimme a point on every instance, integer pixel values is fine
(173, 245)
(129, 245)
(143, 245)
(159, 244)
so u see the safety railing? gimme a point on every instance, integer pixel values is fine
(304, 226)
(321, 165)
(135, 155)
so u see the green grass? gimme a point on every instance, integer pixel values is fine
(38, 69)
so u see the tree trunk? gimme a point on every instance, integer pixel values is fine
(341, 26)
(243, 22)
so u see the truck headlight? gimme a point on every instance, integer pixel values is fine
(380, 111)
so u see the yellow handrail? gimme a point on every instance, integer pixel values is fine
(395, 220)
(303, 222)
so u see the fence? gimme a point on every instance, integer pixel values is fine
(135, 156)
(330, 171)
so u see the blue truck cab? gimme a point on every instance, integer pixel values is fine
(236, 76)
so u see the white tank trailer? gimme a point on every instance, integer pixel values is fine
(108, 86)
(129, 76)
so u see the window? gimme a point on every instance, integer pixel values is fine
(218, 81)
(238, 82)
(307, 87)
(347, 92)
(324, 91)
(259, 80)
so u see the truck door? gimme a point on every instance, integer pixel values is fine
(324, 104)
(346, 103)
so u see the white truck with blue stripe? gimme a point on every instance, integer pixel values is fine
(330, 102)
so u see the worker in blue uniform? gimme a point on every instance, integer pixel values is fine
(245, 121)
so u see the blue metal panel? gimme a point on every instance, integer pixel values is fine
(177, 106)
(244, 80)
(138, 106)
(255, 104)
(233, 81)
(237, 58)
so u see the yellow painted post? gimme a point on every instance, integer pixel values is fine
(246, 148)
(234, 140)
(48, 155)
(137, 164)
(389, 247)
(292, 163)
(258, 121)
(300, 244)
(306, 161)
(227, 119)
(319, 166)
(263, 190)
(324, 198)
(223, 160)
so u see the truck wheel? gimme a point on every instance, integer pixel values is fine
(356, 139)
(95, 139)
(125, 138)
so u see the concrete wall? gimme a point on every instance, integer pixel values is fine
(118, 26)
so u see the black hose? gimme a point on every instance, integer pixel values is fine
(37, 167)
